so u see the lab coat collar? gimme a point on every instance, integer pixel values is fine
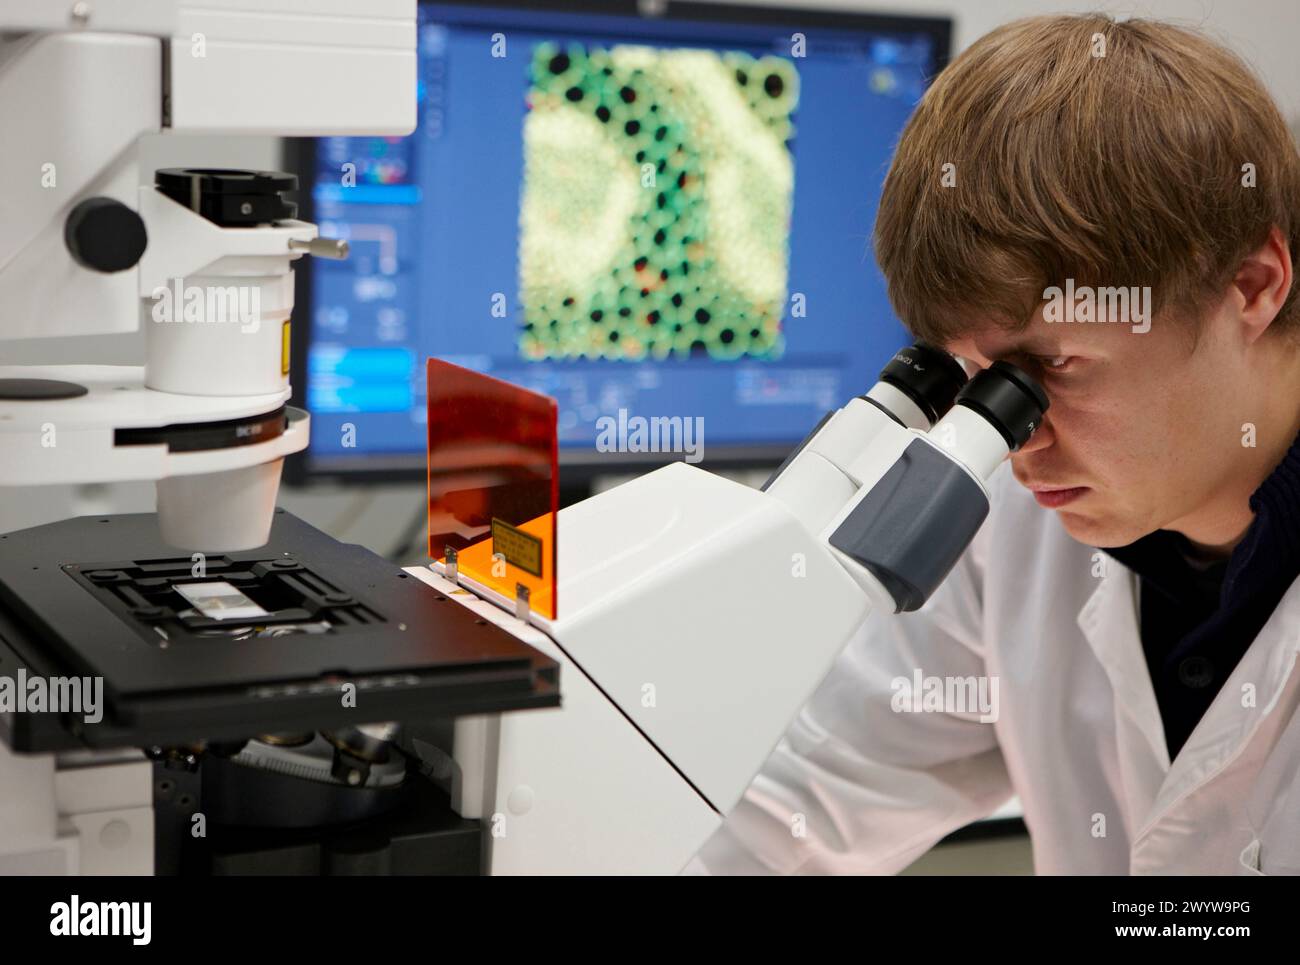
(1227, 726)
(1109, 621)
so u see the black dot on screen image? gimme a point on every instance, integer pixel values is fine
(702, 316)
(597, 315)
(774, 85)
(613, 335)
(574, 93)
(742, 78)
(625, 311)
(632, 127)
(677, 299)
(727, 336)
(628, 95)
(602, 112)
(653, 318)
(559, 63)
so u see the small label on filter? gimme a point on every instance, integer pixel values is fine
(284, 348)
(517, 547)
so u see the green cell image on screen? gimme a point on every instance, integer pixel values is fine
(656, 203)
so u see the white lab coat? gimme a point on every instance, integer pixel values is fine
(1078, 736)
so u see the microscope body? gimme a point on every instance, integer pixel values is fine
(86, 249)
(700, 614)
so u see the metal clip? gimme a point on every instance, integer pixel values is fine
(335, 249)
(522, 607)
(451, 571)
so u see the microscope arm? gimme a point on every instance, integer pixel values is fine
(86, 250)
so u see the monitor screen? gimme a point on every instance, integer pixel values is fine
(663, 219)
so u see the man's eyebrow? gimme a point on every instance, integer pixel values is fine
(1035, 344)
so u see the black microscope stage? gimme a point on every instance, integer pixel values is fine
(96, 597)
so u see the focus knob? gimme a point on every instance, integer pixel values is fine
(105, 235)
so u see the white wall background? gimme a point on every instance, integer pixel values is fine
(1265, 32)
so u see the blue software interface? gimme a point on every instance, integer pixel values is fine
(664, 217)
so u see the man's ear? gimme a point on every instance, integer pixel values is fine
(1262, 283)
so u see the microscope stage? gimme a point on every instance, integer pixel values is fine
(348, 638)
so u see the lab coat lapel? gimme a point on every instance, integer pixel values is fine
(1230, 721)
(1109, 621)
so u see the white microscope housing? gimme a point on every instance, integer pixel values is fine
(698, 615)
(85, 249)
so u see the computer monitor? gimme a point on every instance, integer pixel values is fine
(662, 217)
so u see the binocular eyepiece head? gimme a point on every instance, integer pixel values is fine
(929, 376)
(1005, 395)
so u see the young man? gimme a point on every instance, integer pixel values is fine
(1114, 207)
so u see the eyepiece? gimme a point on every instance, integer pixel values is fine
(1011, 401)
(928, 376)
